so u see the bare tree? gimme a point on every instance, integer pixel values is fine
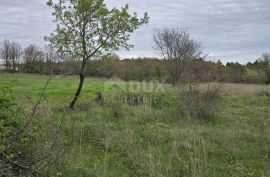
(178, 49)
(40, 61)
(5, 54)
(10, 53)
(50, 57)
(15, 53)
(34, 59)
(28, 57)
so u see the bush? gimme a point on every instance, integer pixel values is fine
(29, 140)
(10, 142)
(196, 102)
(116, 108)
(99, 99)
(263, 93)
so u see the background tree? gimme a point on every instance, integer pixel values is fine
(50, 57)
(40, 61)
(10, 53)
(235, 72)
(178, 49)
(30, 58)
(87, 27)
(265, 65)
(5, 54)
(15, 53)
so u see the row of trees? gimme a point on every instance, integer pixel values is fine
(203, 70)
(32, 59)
(45, 61)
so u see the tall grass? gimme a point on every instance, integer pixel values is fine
(119, 139)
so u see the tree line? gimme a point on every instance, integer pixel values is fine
(45, 60)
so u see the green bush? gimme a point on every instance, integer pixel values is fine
(10, 138)
(16, 139)
(29, 140)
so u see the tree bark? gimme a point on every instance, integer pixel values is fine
(78, 92)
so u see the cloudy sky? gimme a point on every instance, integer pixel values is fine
(230, 30)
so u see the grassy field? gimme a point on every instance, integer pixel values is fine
(117, 139)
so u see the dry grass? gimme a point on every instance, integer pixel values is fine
(246, 89)
(142, 140)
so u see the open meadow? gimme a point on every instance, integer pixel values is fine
(114, 138)
(109, 88)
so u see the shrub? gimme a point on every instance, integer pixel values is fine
(116, 108)
(99, 99)
(263, 93)
(197, 102)
(29, 140)
(10, 143)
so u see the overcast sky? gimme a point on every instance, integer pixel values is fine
(230, 30)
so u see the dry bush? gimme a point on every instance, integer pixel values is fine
(116, 108)
(245, 89)
(199, 101)
(99, 99)
(263, 93)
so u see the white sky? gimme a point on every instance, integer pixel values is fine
(230, 30)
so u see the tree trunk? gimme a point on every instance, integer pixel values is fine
(78, 92)
(172, 79)
(268, 75)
